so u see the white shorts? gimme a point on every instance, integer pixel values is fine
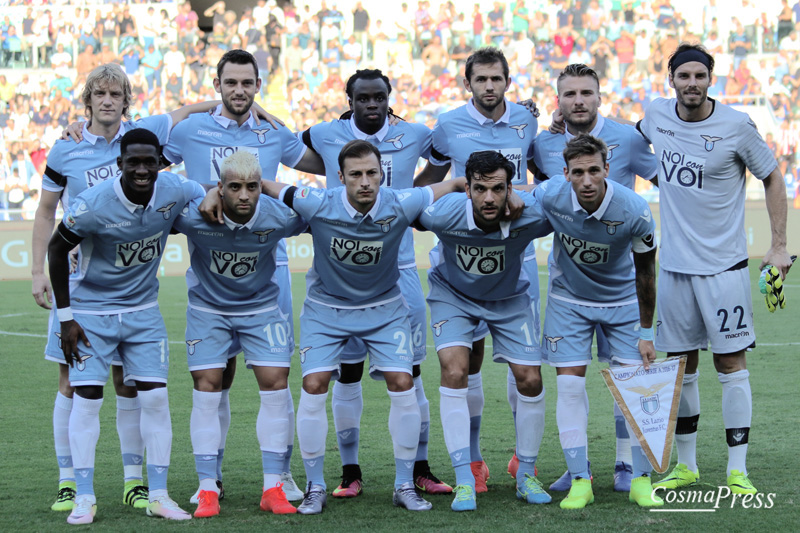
(695, 310)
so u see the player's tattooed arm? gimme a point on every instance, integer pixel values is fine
(775, 195)
(431, 174)
(43, 224)
(72, 333)
(645, 265)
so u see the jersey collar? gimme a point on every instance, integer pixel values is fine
(249, 224)
(380, 135)
(130, 206)
(480, 119)
(351, 210)
(601, 211)
(505, 225)
(226, 122)
(595, 131)
(92, 138)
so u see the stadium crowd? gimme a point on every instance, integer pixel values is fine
(305, 54)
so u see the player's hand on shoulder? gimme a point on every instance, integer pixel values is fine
(42, 291)
(211, 207)
(73, 131)
(557, 126)
(530, 105)
(260, 113)
(514, 206)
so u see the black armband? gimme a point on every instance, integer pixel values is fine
(438, 155)
(306, 138)
(288, 196)
(58, 179)
(68, 236)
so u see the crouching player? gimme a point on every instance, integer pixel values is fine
(596, 223)
(479, 277)
(122, 225)
(353, 292)
(233, 295)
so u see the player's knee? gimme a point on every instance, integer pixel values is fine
(454, 377)
(398, 381)
(529, 381)
(351, 373)
(208, 380)
(316, 383)
(90, 392)
(729, 363)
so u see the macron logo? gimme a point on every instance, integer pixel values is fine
(470, 134)
(665, 132)
(207, 133)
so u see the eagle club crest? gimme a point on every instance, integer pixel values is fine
(611, 151)
(611, 226)
(437, 327)
(166, 210)
(262, 135)
(395, 141)
(303, 354)
(190, 345)
(520, 129)
(80, 361)
(649, 397)
(59, 339)
(553, 342)
(710, 140)
(263, 234)
(385, 223)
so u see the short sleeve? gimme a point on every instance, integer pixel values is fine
(414, 201)
(79, 219)
(293, 148)
(754, 152)
(440, 148)
(158, 124)
(192, 190)
(173, 151)
(643, 160)
(643, 234)
(307, 201)
(425, 137)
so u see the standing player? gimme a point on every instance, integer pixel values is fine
(596, 224)
(123, 224)
(353, 292)
(704, 149)
(479, 276)
(71, 169)
(487, 122)
(232, 295)
(628, 156)
(401, 146)
(202, 142)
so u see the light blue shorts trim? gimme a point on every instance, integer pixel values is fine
(569, 328)
(384, 329)
(139, 337)
(53, 351)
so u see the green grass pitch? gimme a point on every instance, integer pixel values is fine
(29, 471)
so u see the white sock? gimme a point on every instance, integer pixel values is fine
(623, 442)
(290, 431)
(530, 429)
(156, 426)
(454, 411)
(272, 426)
(129, 412)
(640, 464)
(404, 423)
(312, 424)
(511, 392)
(61, 412)
(572, 420)
(84, 430)
(737, 412)
(347, 404)
(224, 414)
(475, 402)
(204, 423)
(425, 419)
(686, 428)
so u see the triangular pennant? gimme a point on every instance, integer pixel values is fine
(649, 401)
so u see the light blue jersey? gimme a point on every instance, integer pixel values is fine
(123, 242)
(464, 130)
(628, 154)
(355, 255)
(73, 168)
(203, 141)
(401, 147)
(232, 264)
(479, 265)
(591, 262)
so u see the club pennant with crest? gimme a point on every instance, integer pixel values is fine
(649, 401)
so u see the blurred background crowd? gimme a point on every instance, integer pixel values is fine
(306, 50)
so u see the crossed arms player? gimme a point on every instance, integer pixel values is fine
(352, 292)
(478, 276)
(122, 224)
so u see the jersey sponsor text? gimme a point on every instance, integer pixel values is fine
(355, 252)
(233, 265)
(481, 261)
(139, 252)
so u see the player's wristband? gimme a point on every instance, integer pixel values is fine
(64, 314)
(646, 334)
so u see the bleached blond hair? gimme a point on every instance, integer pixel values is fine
(240, 163)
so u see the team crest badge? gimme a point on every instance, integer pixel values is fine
(166, 210)
(303, 354)
(553, 343)
(58, 335)
(262, 135)
(437, 328)
(395, 141)
(263, 234)
(80, 362)
(710, 140)
(190, 345)
(649, 397)
(520, 129)
(611, 226)
(611, 151)
(385, 223)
